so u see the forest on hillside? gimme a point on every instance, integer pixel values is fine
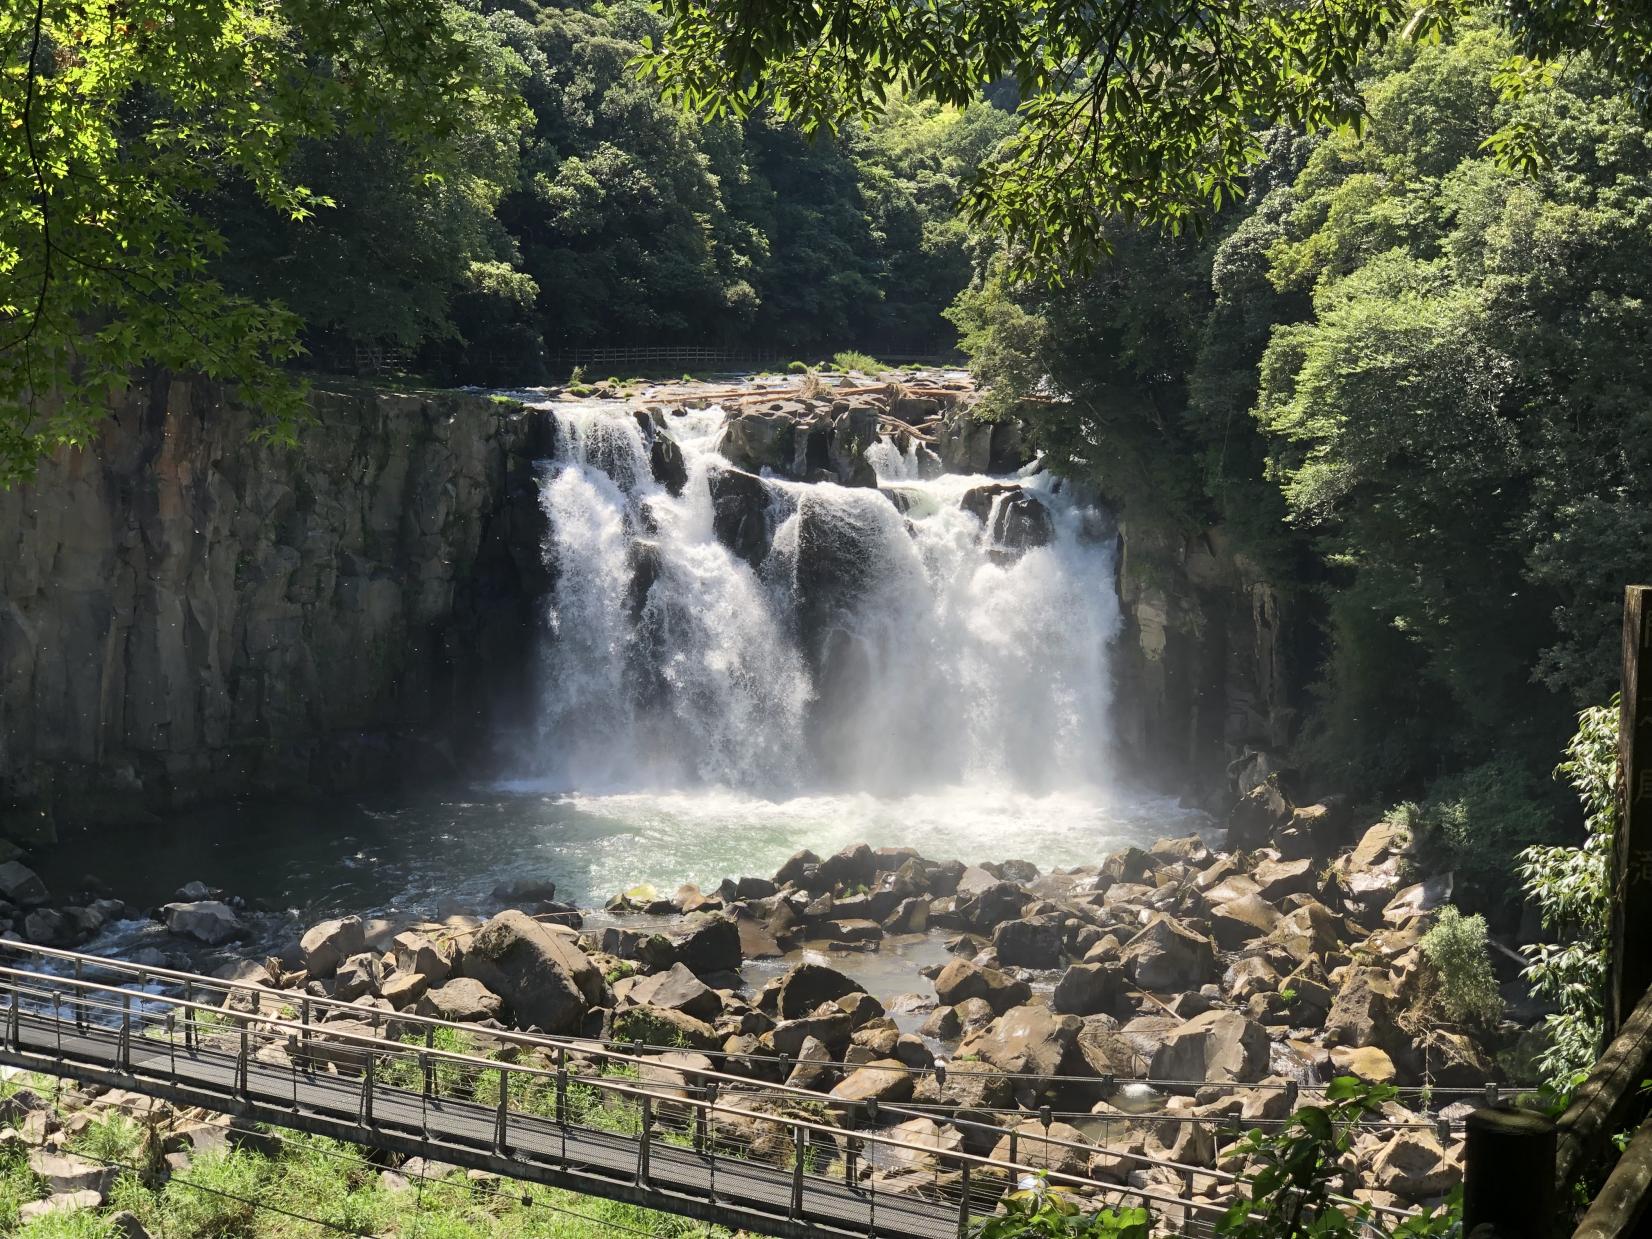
(1412, 385)
(601, 215)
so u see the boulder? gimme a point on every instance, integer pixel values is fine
(403, 989)
(1414, 1166)
(1275, 879)
(740, 512)
(1046, 1148)
(1367, 1062)
(358, 976)
(923, 1143)
(329, 944)
(544, 979)
(1259, 814)
(661, 1026)
(1242, 920)
(61, 1202)
(48, 927)
(21, 885)
(525, 891)
(961, 980)
(416, 953)
(1087, 989)
(1029, 1041)
(206, 921)
(678, 990)
(1219, 1047)
(1168, 956)
(1031, 943)
(882, 1080)
(1418, 900)
(831, 1026)
(1363, 1011)
(706, 942)
(1380, 842)
(64, 1173)
(463, 1000)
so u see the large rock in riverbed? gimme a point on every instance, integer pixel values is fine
(1168, 956)
(961, 980)
(329, 944)
(806, 986)
(546, 981)
(205, 920)
(1026, 1041)
(1220, 1047)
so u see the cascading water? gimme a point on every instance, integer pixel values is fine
(887, 643)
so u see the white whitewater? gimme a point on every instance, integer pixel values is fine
(970, 717)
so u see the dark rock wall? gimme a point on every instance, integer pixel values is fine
(186, 614)
(1210, 664)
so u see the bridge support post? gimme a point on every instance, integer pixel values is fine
(963, 1204)
(1509, 1173)
(241, 1086)
(367, 1090)
(647, 1133)
(501, 1116)
(799, 1147)
(126, 1032)
(1631, 883)
(562, 1086)
(189, 1016)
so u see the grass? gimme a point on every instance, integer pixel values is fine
(851, 360)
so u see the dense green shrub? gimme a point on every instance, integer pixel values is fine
(1465, 985)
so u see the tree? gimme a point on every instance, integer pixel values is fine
(124, 128)
(1131, 110)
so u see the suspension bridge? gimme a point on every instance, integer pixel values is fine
(624, 1124)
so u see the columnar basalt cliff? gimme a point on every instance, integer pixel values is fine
(186, 614)
(1211, 663)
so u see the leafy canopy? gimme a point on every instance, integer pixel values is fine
(124, 122)
(1135, 110)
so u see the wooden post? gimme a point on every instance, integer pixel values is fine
(1509, 1173)
(1632, 850)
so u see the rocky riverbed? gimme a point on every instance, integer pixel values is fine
(1151, 1000)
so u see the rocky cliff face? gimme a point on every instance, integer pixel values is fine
(1211, 663)
(186, 614)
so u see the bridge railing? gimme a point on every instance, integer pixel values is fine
(259, 1035)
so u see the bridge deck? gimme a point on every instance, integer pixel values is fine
(734, 1191)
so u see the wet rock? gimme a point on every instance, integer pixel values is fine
(740, 512)
(666, 463)
(1218, 1047)
(961, 980)
(524, 892)
(803, 867)
(1166, 955)
(1032, 943)
(544, 979)
(911, 916)
(21, 885)
(760, 440)
(463, 1000)
(706, 942)
(325, 946)
(48, 927)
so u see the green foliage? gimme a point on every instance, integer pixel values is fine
(856, 361)
(1572, 889)
(1287, 1191)
(130, 125)
(1037, 1211)
(1455, 945)
(1478, 821)
(1125, 118)
(1410, 388)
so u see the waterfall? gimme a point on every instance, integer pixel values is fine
(781, 639)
